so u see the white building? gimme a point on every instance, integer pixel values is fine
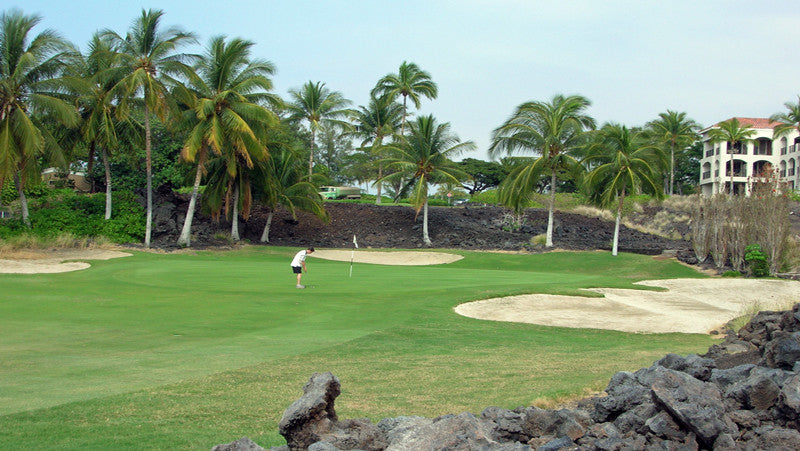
(765, 150)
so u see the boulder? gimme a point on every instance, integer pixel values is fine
(243, 444)
(695, 405)
(311, 416)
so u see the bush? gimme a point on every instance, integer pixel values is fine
(756, 261)
(63, 211)
(731, 274)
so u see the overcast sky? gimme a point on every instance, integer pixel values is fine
(632, 59)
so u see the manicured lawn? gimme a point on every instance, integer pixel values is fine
(190, 350)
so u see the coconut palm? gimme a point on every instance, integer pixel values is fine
(676, 130)
(732, 132)
(788, 121)
(226, 114)
(319, 107)
(422, 158)
(409, 82)
(91, 78)
(553, 130)
(624, 163)
(148, 52)
(281, 182)
(31, 96)
(374, 123)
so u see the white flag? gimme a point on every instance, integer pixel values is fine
(355, 243)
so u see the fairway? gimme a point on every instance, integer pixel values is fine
(188, 350)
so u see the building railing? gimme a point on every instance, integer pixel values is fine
(737, 151)
(783, 172)
(710, 152)
(791, 172)
(716, 173)
(706, 174)
(783, 150)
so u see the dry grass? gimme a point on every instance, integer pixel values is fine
(28, 244)
(752, 309)
(593, 212)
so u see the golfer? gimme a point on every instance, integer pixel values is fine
(299, 264)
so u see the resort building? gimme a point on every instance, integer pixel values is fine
(749, 160)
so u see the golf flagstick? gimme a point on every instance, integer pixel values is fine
(353, 254)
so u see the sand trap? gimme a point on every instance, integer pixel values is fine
(45, 262)
(401, 258)
(690, 305)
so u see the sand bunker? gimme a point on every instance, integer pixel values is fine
(690, 305)
(53, 261)
(402, 258)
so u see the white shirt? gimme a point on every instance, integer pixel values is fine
(299, 258)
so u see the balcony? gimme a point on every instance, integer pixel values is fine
(710, 152)
(783, 150)
(706, 175)
(783, 173)
(736, 152)
(716, 173)
(791, 172)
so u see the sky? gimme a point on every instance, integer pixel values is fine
(713, 59)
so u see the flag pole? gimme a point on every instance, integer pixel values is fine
(353, 254)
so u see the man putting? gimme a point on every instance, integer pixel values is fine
(299, 264)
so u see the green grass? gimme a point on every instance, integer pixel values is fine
(184, 351)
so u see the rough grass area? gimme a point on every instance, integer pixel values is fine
(189, 350)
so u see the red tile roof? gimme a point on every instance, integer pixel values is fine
(755, 122)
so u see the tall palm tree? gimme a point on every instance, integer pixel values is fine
(31, 95)
(226, 114)
(732, 132)
(678, 131)
(422, 158)
(624, 163)
(553, 130)
(374, 123)
(148, 52)
(281, 181)
(788, 121)
(319, 107)
(409, 82)
(92, 78)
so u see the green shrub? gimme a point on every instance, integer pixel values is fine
(485, 197)
(63, 211)
(756, 261)
(731, 274)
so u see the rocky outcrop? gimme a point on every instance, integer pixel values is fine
(743, 394)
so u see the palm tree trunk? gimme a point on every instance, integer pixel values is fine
(671, 167)
(311, 154)
(403, 124)
(550, 208)
(23, 201)
(149, 165)
(380, 175)
(107, 167)
(265, 235)
(185, 239)
(425, 238)
(615, 246)
(235, 216)
(730, 149)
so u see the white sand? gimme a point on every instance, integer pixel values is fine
(403, 258)
(42, 262)
(690, 305)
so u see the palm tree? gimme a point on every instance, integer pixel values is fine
(225, 113)
(553, 130)
(677, 130)
(148, 53)
(732, 132)
(423, 157)
(787, 121)
(281, 182)
(409, 82)
(92, 78)
(30, 97)
(624, 163)
(320, 107)
(374, 123)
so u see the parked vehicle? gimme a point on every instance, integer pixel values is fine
(340, 192)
